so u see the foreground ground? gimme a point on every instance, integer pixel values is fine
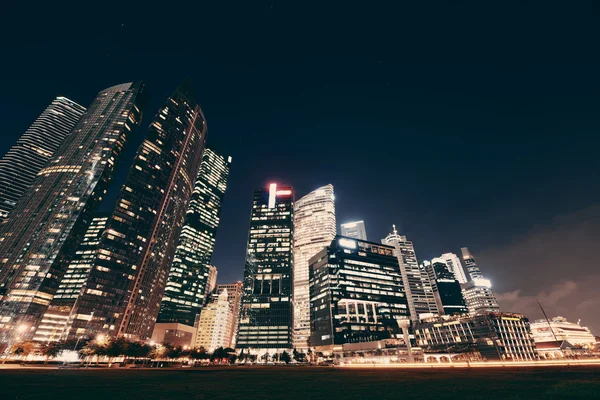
(301, 383)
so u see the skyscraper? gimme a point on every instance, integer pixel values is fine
(355, 230)
(216, 322)
(187, 282)
(234, 296)
(356, 297)
(453, 263)
(314, 229)
(266, 317)
(472, 267)
(38, 242)
(416, 284)
(21, 164)
(125, 286)
(56, 318)
(446, 289)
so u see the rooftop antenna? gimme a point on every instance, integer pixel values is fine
(394, 228)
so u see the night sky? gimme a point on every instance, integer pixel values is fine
(464, 124)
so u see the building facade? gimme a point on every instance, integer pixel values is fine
(53, 216)
(21, 164)
(454, 265)
(266, 319)
(234, 297)
(57, 317)
(356, 296)
(479, 297)
(187, 286)
(216, 323)
(496, 336)
(447, 291)
(419, 293)
(355, 230)
(125, 286)
(473, 270)
(314, 229)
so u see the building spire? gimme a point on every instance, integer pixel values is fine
(394, 228)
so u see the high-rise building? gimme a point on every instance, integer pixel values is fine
(38, 242)
(314, 229)
(56, 318)
(477, 291)
(190, 272)
(21, 164)
(234, 297)
(355, 230)
(472, 267)
(266, 319)
(447, 291)
(418, 289)
(357, 297)
(125, 286)
(216, 323)
(479, 297)
(453, 263)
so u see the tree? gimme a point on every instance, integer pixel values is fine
(23, 348)
(219, 355)
(275, 357)
(285, 357)
(51, 349)
(265, 357)
(300, 357)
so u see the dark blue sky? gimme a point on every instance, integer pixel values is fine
(464, 124)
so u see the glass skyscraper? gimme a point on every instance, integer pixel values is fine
(39, 241)
(416, 283)
(187, 283)
(125, 286)
(21, 164)
(266, 317)
(477, 291)
(314, 229)
(447, 290)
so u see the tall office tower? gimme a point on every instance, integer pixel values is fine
(356, 297)
(234, 297)
(454, 265)
(216, 322)
(125, 286)
(446, 289)
(56, 318)
(20, 166)
(314, 229)
(38, 242)
(355, 230)
(187, 287)
(477, 291)
(418, 288)
(266, 319)
(472, 267)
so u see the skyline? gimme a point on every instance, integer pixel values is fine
(505, 122)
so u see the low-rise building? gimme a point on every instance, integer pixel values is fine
(496, 336)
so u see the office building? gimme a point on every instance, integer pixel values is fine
(124, 288)
(211, 280)
(355, 230)
(234, 297)
(418, 289)
(453, 263)
(216, 323)
(21, 164)
(357, 297)
(314, 229)
(191, 274)
(473, 270)
(447, 291)
(266, 319)
(39, 241)
(56, 318)
(495, 336)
